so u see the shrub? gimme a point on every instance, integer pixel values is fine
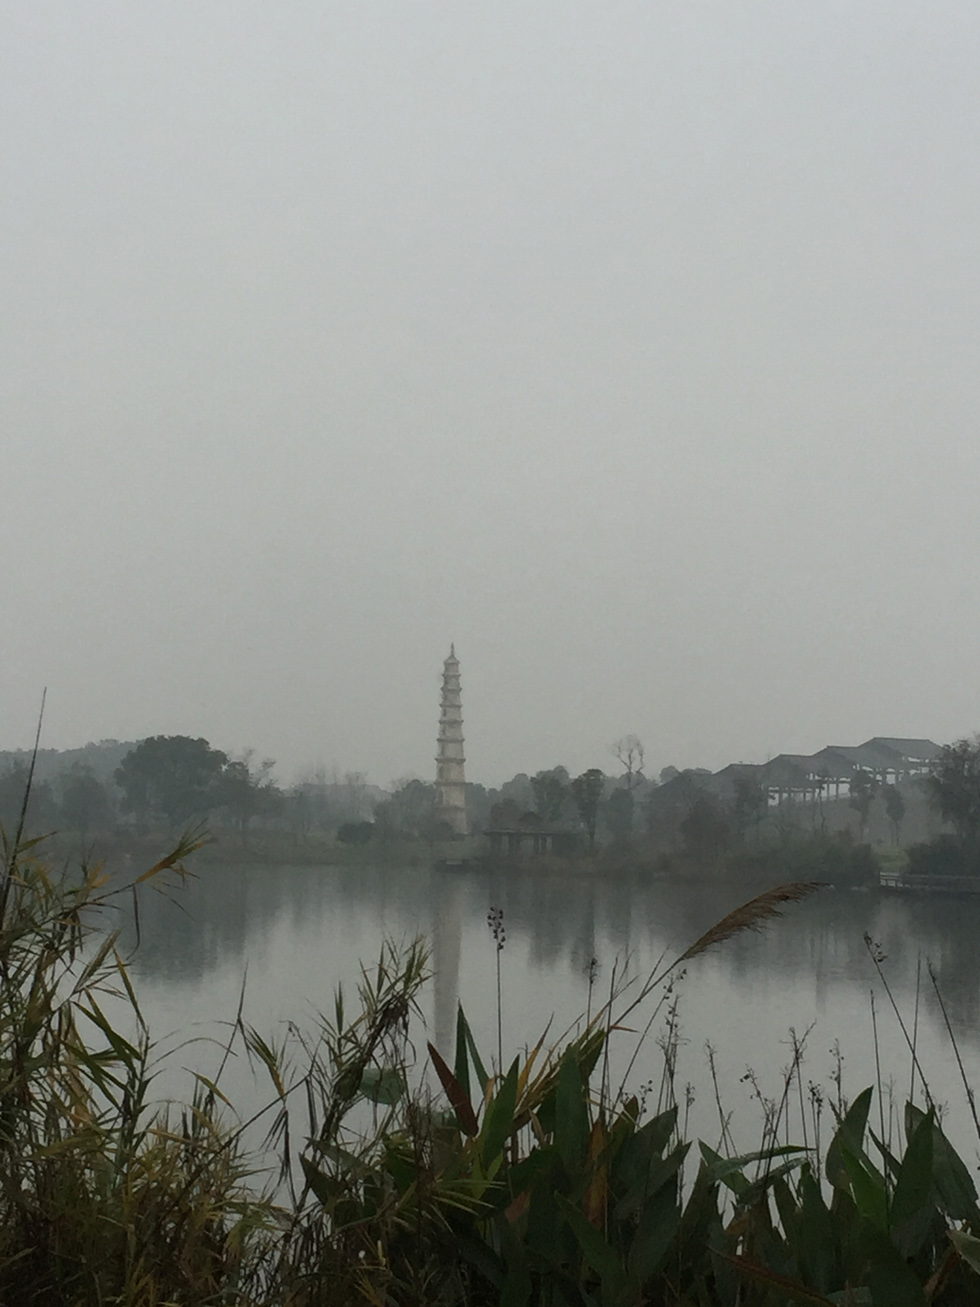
(355, 832)
(945, 856)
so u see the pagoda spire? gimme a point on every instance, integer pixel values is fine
(450, 777)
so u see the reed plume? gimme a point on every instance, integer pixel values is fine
(750, 916)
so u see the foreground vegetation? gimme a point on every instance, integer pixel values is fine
(539, 1182)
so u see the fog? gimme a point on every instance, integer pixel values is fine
(630, 346)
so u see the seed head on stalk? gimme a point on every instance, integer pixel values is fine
(495, 924)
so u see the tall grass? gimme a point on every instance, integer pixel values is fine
(532, 1183)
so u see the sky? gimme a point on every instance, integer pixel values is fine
(630, 345)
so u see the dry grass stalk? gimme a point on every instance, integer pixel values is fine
(750, 916)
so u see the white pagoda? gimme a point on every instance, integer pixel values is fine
(450, 778)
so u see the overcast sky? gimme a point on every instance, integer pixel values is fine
(633, 346)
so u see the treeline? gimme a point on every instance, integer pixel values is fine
(678, 820)
(168, 782)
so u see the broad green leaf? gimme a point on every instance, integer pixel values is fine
(637, 1157)
(324, 1187)
(727, 1170)
(383, 1084)
(598, 1254)
(915, 1182)
(659, 1223)
(462, 1068)
(660, 1171)
(851, 1129)
(891, 1280)
(498, 1122)
(818, 1242)
(731, 1170)
(659, 1130)
(530, 1175)
(465, 1043)
(968, 1247)
(867, 1186)
(571, 1117)
(760, 1186)
(954, 1185)
(517, 1286)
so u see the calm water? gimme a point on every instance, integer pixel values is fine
(296, 932)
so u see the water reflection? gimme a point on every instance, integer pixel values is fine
(300, 931)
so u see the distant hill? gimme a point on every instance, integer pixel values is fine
(103, 759)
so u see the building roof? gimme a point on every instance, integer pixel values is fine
(789, 769)
(909, 750)
(834, 762)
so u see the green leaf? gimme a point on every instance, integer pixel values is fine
(968, 1247)
(727, 1170)
(402, 1167)
(867, 1186)
(324, 1187)
(760, 1274)
(571, 1116)
(462, 1067)
(850, 1130)
(598, 1254)
(731, 1170)
(818, 1246)
(383, 1084)
(528, 1172)
(498, 1124)
(915, 1177)
(760, 1186)
(212, 1088)
(647, 1186)
(659, 1223)
(469, 1045)
(885, 1271)
(517, 1286)
(954, 1185)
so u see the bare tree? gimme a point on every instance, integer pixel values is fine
(629, 751)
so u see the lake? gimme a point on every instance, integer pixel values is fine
(294, 933)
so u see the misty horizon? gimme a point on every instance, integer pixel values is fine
(632, 350)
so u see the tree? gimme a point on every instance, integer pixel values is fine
(954, 788)
(895, 808)
(171, 776)
(85, 803)
(669, 805)
(410, 810)
(619, 815)
(40, 807)
(478, 806)
(863, 787)
(248, 791)
(705, 829)
(749, 803)
(355, 832)
(519, 789)
(551, 792)
(629, 751)
(587, 791)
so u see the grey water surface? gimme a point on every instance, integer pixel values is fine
(292, 934)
